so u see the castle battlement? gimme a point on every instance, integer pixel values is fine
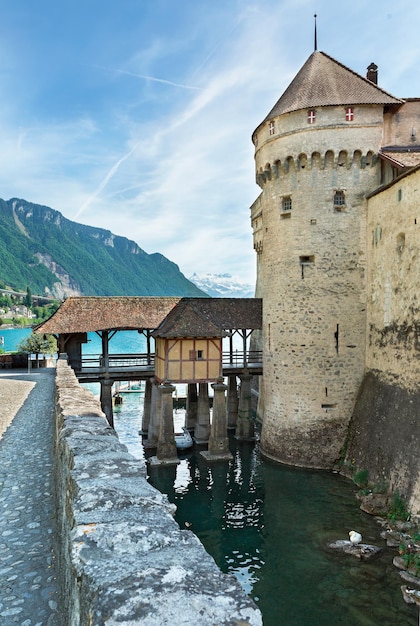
(329, 159)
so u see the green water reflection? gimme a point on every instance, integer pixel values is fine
(269, 525)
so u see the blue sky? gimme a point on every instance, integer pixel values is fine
(137, 115)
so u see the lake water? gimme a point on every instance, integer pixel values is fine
(269, 525)
(12, 338)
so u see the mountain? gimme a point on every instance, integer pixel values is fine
(52, 255)
(223, 286)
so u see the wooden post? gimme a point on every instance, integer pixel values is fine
(147, 407)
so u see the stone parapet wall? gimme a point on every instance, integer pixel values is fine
(9, 361)
(122, 557)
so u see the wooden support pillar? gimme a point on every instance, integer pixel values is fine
(155, 416)
(218, 441)
(245, 424)
(147, 407)
(202, 429)
(232, 402)
(192, 400)
(148, 347)
(105, 350)
(106, 400)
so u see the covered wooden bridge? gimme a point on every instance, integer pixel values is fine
(188, 340)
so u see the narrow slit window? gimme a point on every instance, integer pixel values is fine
(311, 116)
(271, 128)
(336, 337)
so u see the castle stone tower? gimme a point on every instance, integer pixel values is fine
(316, 156)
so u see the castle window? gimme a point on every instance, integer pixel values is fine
(286, 203)
(306, 261)
(339, 200)
(271, 127)
(311, 116)
(349, 114)
(196, 355)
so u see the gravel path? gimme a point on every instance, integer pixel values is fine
(28, 589)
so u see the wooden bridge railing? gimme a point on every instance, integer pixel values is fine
(236, 358)
(118, 360)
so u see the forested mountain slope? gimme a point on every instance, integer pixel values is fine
(41, 249)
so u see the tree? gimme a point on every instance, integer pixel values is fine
(28, 298)
(38, 344)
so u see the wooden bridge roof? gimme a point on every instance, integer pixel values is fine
(211, 317)
(173, 317)
(94, 313)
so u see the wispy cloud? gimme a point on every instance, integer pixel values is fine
(154, 79)
(202, 81)
(109, 175)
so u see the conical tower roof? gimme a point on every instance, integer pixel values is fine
(323, 81)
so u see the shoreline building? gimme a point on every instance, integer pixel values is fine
(330, 142)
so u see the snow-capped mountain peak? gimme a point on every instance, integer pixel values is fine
(223, 286)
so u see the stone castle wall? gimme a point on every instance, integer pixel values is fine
(312, 262)
(402, 128)
(385, 431)
(122, 557)
(393, 323)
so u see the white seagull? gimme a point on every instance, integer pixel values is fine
(355, 537)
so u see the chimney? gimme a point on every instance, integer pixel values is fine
(372, 73)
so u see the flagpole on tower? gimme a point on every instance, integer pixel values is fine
(315, 41)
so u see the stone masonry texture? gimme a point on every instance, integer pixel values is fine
(123, 558)
(311, 271)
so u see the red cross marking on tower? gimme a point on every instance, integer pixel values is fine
(311, 117)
